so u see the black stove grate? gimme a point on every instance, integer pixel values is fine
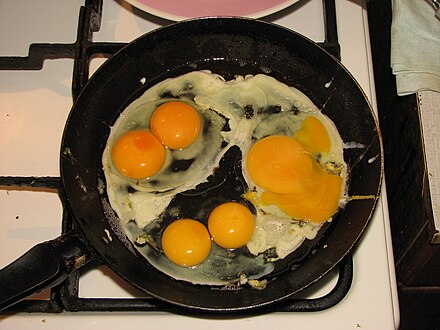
(65, 297)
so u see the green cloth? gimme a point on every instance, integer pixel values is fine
(415, 46)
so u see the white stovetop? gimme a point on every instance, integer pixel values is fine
(33, 101)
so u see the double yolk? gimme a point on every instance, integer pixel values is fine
(187, 242)
(291, 178)
(140, 154)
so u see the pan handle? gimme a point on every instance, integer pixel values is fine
(43, 266)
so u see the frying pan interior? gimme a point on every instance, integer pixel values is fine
(227, 46)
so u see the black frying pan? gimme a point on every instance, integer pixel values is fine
(227, 46)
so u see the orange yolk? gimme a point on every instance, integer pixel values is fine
(231, 225)
(186, 242)
(292, 180)
(318, 201)
(138, 154)
(277, 163)
(313, 136)
(176, 124)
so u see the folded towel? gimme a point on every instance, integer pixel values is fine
(415, 46)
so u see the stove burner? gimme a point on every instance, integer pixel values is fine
(65, 297)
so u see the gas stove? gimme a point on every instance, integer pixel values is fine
(38, 85)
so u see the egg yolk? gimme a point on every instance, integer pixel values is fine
(313, 136)
(186, 242)
(292, 179)
(176, 124)
(318, 201)
(231, 225)
(277, 163)
(138, 154)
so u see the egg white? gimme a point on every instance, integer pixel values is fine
(237, 112)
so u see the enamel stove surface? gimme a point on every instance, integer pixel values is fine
(34, 106)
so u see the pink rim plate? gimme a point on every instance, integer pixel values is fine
(177, 10)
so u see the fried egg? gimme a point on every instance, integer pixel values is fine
(169, 168)
(215, 180)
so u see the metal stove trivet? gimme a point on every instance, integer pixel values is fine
(65, 297)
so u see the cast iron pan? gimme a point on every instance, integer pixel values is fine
(227, 46)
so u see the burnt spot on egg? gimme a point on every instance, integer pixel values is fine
(273, 108)
(226, 127)
(248, 111)
(131, 190)
(167, 95)
(294, 110)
